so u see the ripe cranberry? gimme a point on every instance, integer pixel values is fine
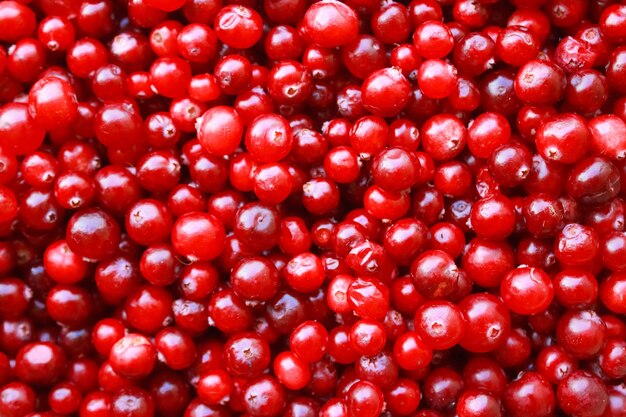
(576, 244)
(52, 103)
(443, 136)
(488, 322)
(385, 92)
(582, 394)
(224, 123)
(175, 347)
(540, 83)
(436, 78)
(611, 292)
(593, 180)
(581, 333)
(20, 17)
(132, 401)
(198, 236)
(133, 356)
(18, 130)
(330, 24)
(40, 363)
(435, 274)
(238, 26)
(527, 290)
(442, 387)
(529, 395)
(575, 288)
(93, 234)
(16, 398)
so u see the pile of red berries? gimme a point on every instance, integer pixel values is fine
(288, 208)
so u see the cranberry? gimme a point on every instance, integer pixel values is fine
(330, 23)
(488, 322)
(133, 356)
(40, 363)
(540, 83)
(529, 395)
(220, 130)
(581, 333)
(302, 209)
(443, 136)
(581, 394)
(611, 292)
(198, 236)
(93, 234)
(19, 133)
(385, 92)
(576, 244)
(238, 26)
(17, 398)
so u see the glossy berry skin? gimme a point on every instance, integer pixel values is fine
(133, 356)
(564, 138)
(18, 131)
(395, 169)
(116, 119)
(287, 208)
(369, 298)
(433, 39)
(436, 78)
(486, 133)
(220, 130)
(440, 324)
(493, 217)
(527, 290)
(93, 234)
(131, 400)
(63, 265)
(273, 183)
(405, 239)
(22, 399)
(575, 288)
(593, 181)
(608, 136)
(175, 347)
(385, 92)
(198, 236)
(330, 23)
(238, 26)
(164, 5)
(443, 136)
(477, 403)
(435, 274)
(52, 103)
(309, 341)
(365, 399)
(269, 138)
(611, 292)
(257, 226)
(488, 322)
(543, 214)
(530, 395)
(539, 83)
(581, 333)
(40, 363)
(264, 396)
(576, 244)
(291, 371)
(555, 364)
(581, 394)
(255, 279)
(148, 222)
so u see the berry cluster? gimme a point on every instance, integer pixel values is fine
(289, 208)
